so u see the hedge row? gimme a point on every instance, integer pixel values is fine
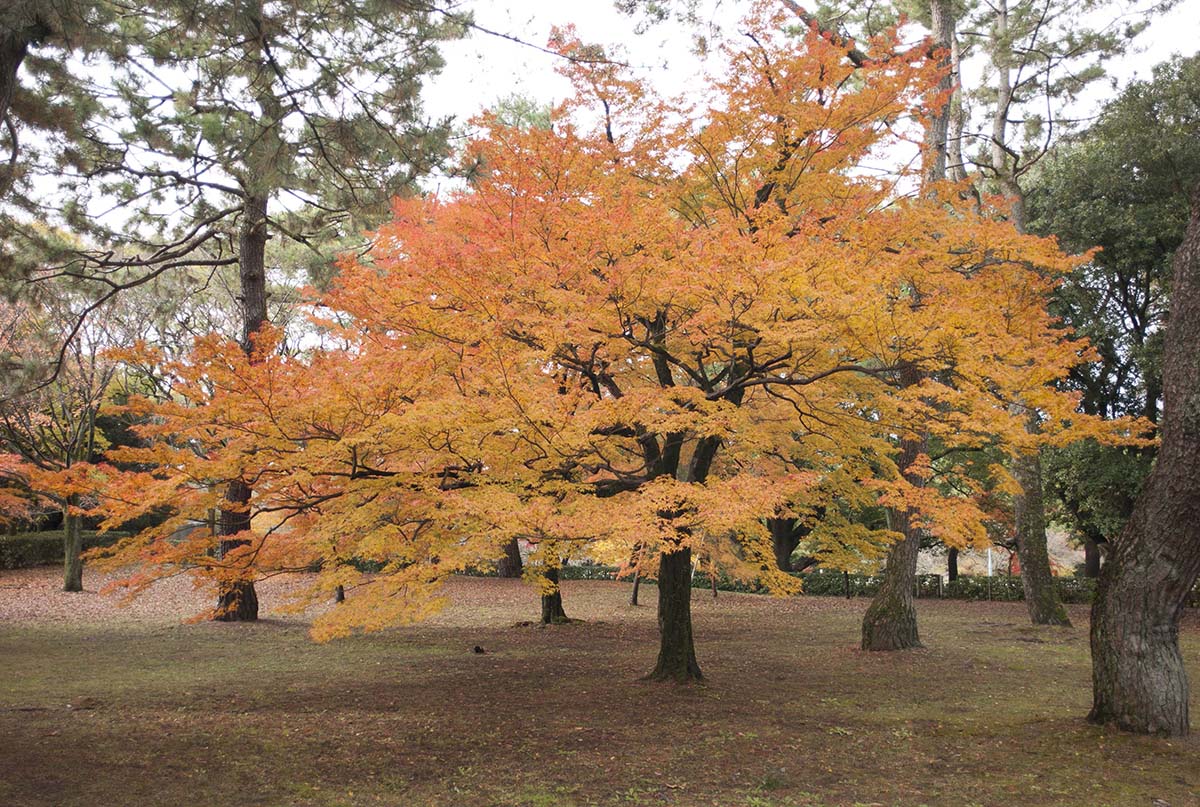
(45, 548)
(1000, 588)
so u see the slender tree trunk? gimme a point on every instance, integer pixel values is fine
(552, 607)
(72, 549)
(677, 653)
(1091, 558)
(637, 582)
(237, 600)
(952, 564)
(510, 565)
(1139, 681)
(1041, 596)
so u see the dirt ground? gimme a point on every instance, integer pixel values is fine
(101, 705)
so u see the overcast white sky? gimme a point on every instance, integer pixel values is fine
(484, 68)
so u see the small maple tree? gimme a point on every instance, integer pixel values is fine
(636, 335)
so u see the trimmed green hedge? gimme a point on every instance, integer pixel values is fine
(27, 549)
(999, 588)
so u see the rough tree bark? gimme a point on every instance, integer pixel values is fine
(1138, 677)
(510, 565)
(677, 652)
(1041, 596)
(237, 600)
(890, 622)
(552, 607)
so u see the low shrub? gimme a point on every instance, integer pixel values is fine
(27, 549)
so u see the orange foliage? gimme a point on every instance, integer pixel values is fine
(647, 327)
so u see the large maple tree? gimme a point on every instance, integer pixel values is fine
(637, 334)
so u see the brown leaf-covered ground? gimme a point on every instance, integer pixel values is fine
(102, 705)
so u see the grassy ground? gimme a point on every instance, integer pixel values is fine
(121, 708)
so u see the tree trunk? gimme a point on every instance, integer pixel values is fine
(552, 607)
(72, 549)
(237, 600)
(510, 565)
(784, 541)
(13, 47)
(677, 653)
(952, 564)
(891, 619)
(1091, 558)
(890, 622)
(1041, 596)
(339, 594)
(1138, 677)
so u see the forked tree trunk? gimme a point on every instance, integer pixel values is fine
(1041, 596)
(676, 653)
(552, 607)
(72, 550)
(1139, 681)
(785, 538)
(510, 565)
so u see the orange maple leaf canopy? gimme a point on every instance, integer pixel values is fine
(641, 330)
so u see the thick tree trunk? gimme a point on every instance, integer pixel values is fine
(784, 540)
(1091, 558)
(891, 619)
(1138, 677)
(890, 622)
(72, 551)
(510, 564)
(677, 653)
(952, 564)
(1041, 596)
(237, 601)
(552, 607)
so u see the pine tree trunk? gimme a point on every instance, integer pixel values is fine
(952, 564)
(552, 607)
(72, 550)
(510, 565)
(1139, 681)
(1041, 596)
(237, 601)
(677, 653)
